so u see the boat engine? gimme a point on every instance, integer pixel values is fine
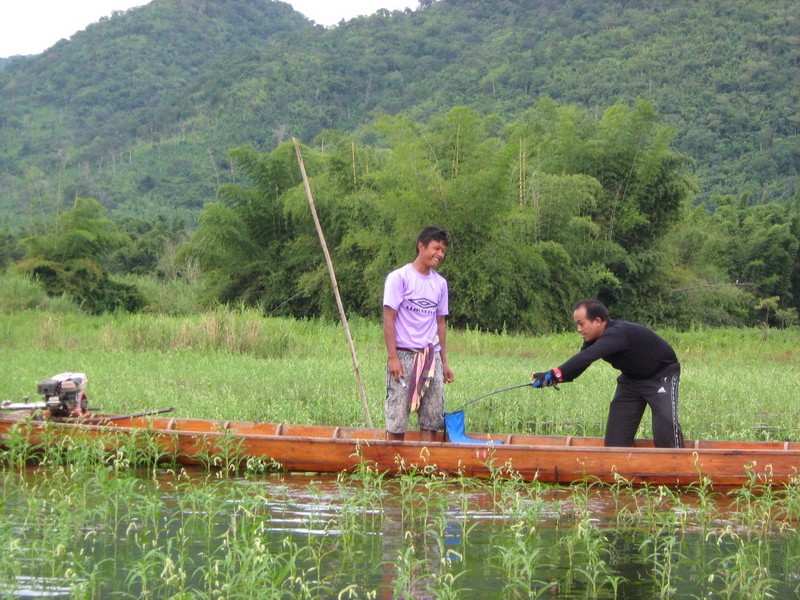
(64, 395)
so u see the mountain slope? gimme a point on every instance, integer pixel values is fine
(140, 109)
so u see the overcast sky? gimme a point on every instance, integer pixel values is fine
(32, 26)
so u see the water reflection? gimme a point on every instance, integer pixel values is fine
(37, 587)
(193, 533)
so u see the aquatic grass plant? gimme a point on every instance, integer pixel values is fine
(223, 452)
(523, 562)
(97, 525)
(663, 552)
(362, 495)
(421, 568)
(587, 545)
(704, 508)
(662, 549)
(420, 530)
(48, 445)
(788, 510)
(741, 569)
(756, 505)
(18, 449)
(141, 449)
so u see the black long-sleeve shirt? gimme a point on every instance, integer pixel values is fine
(635, 350)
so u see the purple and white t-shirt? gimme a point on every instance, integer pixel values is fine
(418, 300)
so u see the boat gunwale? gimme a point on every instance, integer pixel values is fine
(561, 443)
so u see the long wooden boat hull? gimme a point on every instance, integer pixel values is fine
(556, 459)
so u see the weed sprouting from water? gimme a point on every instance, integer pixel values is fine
(706, 510)
(143, 449)
(361, 494)
(223, 453)
(741, 568)
(370, 480)
(19, 449)
(520, 562)
(100, 527)
(662, 549)
(587, 546)
(756, 503)
(788, 509)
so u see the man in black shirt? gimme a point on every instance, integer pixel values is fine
(650, 374)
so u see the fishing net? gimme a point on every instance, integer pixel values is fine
(454, 424)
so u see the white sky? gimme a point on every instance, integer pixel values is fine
(32, 26)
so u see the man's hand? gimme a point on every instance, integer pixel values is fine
(546, 379)
(395, 368)
(448, 374)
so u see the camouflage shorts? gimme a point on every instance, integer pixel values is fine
(430, 414)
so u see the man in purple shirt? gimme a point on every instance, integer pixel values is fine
(650, 374)
(415, 304)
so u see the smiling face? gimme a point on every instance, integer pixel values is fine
(590, 330)
(429, 257)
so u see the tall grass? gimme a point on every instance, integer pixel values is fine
(19, 292)
(234, 363)
(170, 297)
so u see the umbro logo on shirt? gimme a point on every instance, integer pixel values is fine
(661, 390)
(422, 303)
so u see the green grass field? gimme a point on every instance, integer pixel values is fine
(236, 364)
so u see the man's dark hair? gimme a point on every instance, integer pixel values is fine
(594, 309)
(431, 234)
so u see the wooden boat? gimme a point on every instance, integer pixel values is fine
(307, 448)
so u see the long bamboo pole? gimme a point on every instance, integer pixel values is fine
(332, 273)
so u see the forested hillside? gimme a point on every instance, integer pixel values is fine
(141, 109)
(642, 153)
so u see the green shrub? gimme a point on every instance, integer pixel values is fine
(85, 282)
(168, 297)
(21, 292)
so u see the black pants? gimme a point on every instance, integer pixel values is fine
(632, 397)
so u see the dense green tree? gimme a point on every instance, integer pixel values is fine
(69, 259)
(734, 259)
(757, 246)
(83, 232)
(151, 241)
(9, 248)
(255, 242)
(525, 209)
